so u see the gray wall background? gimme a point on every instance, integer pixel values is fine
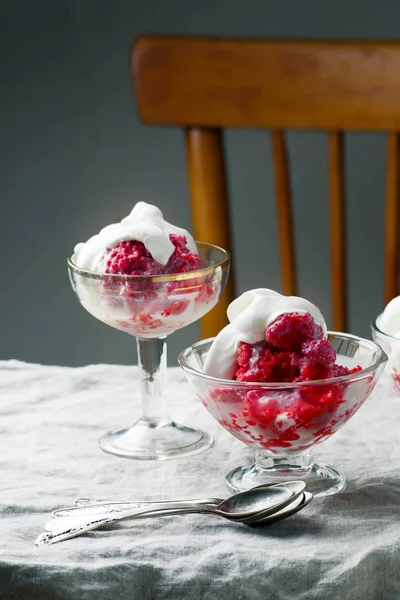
(74, 157)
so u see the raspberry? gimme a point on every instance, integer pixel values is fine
(318, 362)
(245, 352)
(132, 258)
(293, 351)
(319, 352)
(340, 370)
(312, 372)
(182, 259)
(291, 330)
(258, 362)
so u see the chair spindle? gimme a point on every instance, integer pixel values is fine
(337, 231)
(284, 213)
(210, 208)
(392, 218)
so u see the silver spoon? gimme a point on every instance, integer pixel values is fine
(91, 506)
(280, 495)
(237, 506)
(265, 500)
(83, 502)
(260, 518)
(103, 507)
(289, 510)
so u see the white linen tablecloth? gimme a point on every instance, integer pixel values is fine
(342, 546)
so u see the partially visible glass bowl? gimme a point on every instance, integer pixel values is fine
(283, 421)
(391, 346)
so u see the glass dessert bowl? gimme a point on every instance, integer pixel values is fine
(391, 345)
(150, 308)
(386, 332)
(282, 422)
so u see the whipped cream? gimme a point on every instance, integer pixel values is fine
(389, 320)
(249, 316)
(144, 224)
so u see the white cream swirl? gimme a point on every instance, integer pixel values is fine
(144, 224)
(250, 314)
(389, 321)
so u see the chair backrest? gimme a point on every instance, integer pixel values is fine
(206, 85)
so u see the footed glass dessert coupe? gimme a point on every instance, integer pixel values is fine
(282, 422)
(150, 308)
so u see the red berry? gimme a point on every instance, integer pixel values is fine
(319, 352)
(131, 258)
(293, 351)
(291, 330)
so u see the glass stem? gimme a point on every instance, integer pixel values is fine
(297, 462)
(152, 358)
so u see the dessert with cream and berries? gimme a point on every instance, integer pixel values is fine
(386, 333)
(144, 284)
(389, 321)
(273, 340)
(152, 252)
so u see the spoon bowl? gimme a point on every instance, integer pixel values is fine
(291, 509)
(256, 502)
(265, 499)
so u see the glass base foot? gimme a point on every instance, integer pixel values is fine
(145, 441)
(321, 480)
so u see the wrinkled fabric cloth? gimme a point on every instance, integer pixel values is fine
(341, 546)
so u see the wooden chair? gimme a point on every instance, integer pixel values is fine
(206, 85)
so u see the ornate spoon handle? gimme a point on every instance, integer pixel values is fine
(86, 501)
(74, 529)
(50, 537)
(106, 507)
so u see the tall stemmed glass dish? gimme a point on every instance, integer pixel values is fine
(150, 308)
(282, 422)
